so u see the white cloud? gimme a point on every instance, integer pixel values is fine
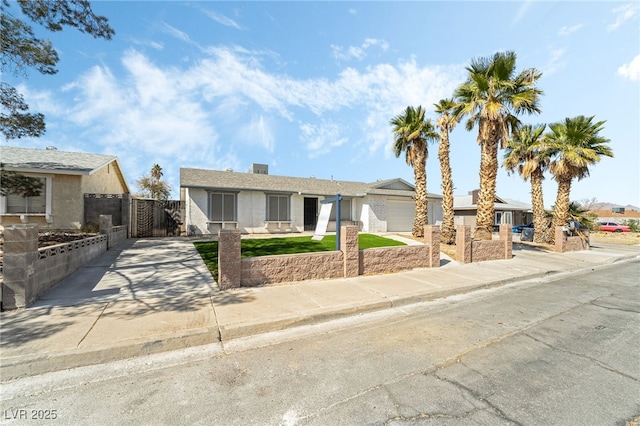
(258, 131)
(146, 113)
(556, 61)
(358, 52)
(179, 116)
(623, 14)
(522, 11)
(565, 31)
(176, 33)
(631, 70)
(321, 138)
(153, 44)
(222, 20)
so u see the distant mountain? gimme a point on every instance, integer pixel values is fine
(609, 206)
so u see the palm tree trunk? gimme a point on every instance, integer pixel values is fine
(561, 209)
(447, 233)
(420, 175)
(540, 223)
(487, 138)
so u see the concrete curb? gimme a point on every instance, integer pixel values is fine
(34, 364)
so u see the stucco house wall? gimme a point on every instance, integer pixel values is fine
(68, 202)
(105, 180)
(374, 214)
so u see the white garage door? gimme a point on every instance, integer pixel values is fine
(400, 215)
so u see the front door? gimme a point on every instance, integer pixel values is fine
(310, 213)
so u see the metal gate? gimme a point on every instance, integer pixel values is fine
(156, 218)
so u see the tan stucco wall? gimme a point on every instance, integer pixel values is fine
(107, 180)
(67, 202)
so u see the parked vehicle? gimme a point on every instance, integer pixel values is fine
(613, 227)
(516, 229)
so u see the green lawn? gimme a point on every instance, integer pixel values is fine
(286, 245)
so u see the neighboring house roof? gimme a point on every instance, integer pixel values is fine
(465, 202)
(233, 181)
(27, 160)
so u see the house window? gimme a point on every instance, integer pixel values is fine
(278, 208)
(17, 204)
(222, 207)
(504, 218)
(345, 210)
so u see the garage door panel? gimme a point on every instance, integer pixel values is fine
(400, 215)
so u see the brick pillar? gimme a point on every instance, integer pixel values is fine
(463, 243)
(432, 239)
(105, 226)
(106, 223)
(506, 235)
(350, 250)
(20, 257)
(229, 265)
(126, 213)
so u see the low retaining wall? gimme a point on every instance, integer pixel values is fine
(115, 234)
(468, 250)
(235, 271)
(392, 259)
(295, 267)
(56, 262)
(28, 271)
(564, 243)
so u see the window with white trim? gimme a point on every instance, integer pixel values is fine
(222, 207)
(345, 210)
(503, 218)
(278, 207)
(38, 205)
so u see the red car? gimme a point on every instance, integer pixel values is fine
(613, 227)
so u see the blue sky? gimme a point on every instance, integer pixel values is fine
(309, 87)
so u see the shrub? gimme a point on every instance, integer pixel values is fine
(633, 224)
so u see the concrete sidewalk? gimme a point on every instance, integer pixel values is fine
(152, 295)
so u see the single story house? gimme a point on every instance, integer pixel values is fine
(66, 177)
(507, 211)
(256, 202)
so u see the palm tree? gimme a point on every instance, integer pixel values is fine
(492, 96)
(527, 154)
(155, 184)
(156, 172)
(446, 122)
(411, 132)
(578, 145)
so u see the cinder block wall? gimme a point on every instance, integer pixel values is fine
(234, 271)
(565, 243)
(56, 262)
(392, 259)
(295, 267)
(30, 271)
(469, 250)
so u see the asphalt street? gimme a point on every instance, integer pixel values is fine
(539, 352)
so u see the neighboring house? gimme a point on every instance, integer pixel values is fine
(66, 177)
(506, 211)
(256, 202)
(617, 214)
